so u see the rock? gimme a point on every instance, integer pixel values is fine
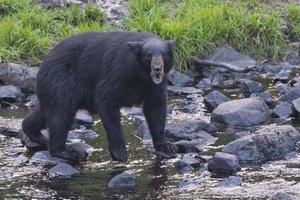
(122, 181)
(231, 56)
(9, 93)
(204, 84)
(44, 158)
(83, 118)
(283, 110)
(82, 134)
(183, 167)
(190, 159)
(282, 196)
(143, 130)
(188, 130)
(231, 181)
(269, 143)
(63, 170)
(18, 75)
(187, 185)
(264, 96)
(178, 79)
(173, 90)
(249, 87)
(282, 89)
(241, 113)
(32, 101)
(291, 95)
(9, 132)
(81, 149)
(296, 105)
(214, 99)
(195, 145)
(295, 82)
(224, 163)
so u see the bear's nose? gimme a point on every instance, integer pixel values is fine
(157, 69)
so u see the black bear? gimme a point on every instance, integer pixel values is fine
(102, 72)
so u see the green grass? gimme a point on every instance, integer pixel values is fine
(28, 31)
(200, 26)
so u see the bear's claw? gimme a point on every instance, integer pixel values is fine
(165, 150)
(119, 155)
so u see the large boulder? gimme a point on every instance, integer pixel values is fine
(241, 113)
(269, 143)
(18, 75)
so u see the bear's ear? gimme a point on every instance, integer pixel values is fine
(136, 45)
(171, 43)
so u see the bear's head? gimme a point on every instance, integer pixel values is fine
(155, 55)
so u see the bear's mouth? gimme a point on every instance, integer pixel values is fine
(157, 69)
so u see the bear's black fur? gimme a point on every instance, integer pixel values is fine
(102, 72)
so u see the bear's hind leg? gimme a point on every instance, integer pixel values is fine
(59, 124)
(32, 126)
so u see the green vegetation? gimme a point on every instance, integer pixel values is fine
(28, 31)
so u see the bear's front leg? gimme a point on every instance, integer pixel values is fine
(154, 108)
(110, 117)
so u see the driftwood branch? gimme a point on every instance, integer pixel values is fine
(222, 64)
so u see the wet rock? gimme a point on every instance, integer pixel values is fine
(249, 87)
(242, 113)
(195, 145)
(204, 84)
(190, 159)
(180, 80)
(9, 93)
(44, 158)
(83, 118)
(174, 90)
(224, 163)
(282, 196)
(280, 71)
(291, 95)
(188, 130)
(122, 181)
(82, 134)
(282, 89)
(63, 170)
(231, 56)
(21, 76)
(296, 105)
(283, 110)
(187, 185)
(32, 101)
(269, 143)
(183, 167)
(231, 181)
(214, 99)
(223, 83)
(9, 132)
(81, 149)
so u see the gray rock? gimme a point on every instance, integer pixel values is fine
(9, 93)
(291, 95)
(9, 132)
(81, 149)
(269, 143)
(187, 185)
(183, 167)
(18, 75)
(214, 99)
(122, 181)
(190, 159)
(63, 170)
(264, 96)
(296, 105)
(249, 87)
(32, 101)
(224, 163)
(174, 90)
(44, 158)
(295, 82)
(83, 118)
(231, 181)
(195, 145)
(82, 134)
(283, 110)
(204, 84)
(282, 196)
(178, 79)
(241, 113)
(282, 89)
(231, 56)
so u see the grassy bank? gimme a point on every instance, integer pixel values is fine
(28, 31)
